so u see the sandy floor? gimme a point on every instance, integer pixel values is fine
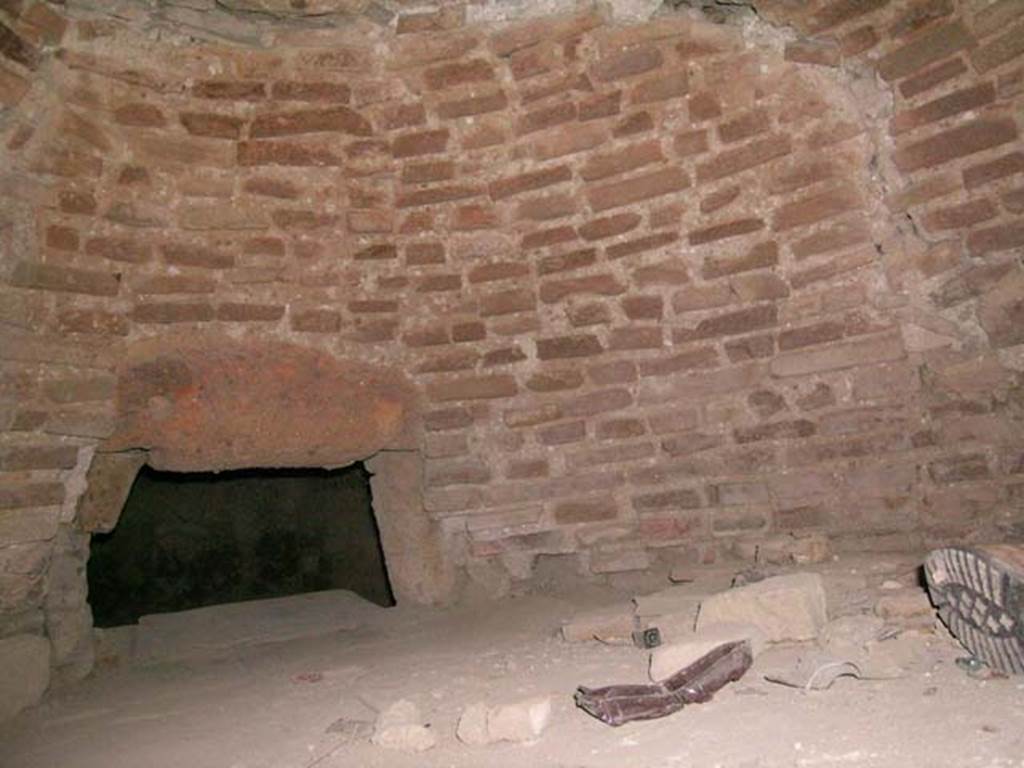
(273, 705)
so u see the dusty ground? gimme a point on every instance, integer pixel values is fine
(273, 705)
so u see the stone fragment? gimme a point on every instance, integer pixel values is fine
(401, 727)
(604, 624)
(472, 725)
(909, 603)
(24, 672)
(783, 607)
(669, 659)
(779, 550)
(520, 720)
(670, 601)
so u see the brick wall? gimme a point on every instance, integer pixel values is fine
(660, 286)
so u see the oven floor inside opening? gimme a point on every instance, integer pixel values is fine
(188, 540)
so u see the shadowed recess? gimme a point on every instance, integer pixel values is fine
(187, 540)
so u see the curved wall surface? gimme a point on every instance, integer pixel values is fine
(660, 287)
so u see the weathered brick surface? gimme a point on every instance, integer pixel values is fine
(636, 274)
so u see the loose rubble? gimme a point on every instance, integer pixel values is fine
(401, 727)
(785, 608)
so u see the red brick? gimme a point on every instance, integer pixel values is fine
(551, 206)
(719, 199)
(77, 201)
(858, 41)
(956, 102)
(423, 143)
(457, 73)
(926, 48)
(585, 511)
(237, 312)
(841, 11)
(761, 256)
(585, 314)
(960, 216)
(737, 322)
(513, 38)
(919, 15)
(641, 245)
(679, 498)
(334, 119)
(984, 173)
(620, 161)
(877, 348)
(666, 273)
(842, 234)
(563, 262)
(139, 115)
(507, 302)
(210, 124)
(635, 338)
(568, 140)
(175, 284)
(748, 156)
(1014, 200)
(286, 153)
(547, 237)
(691, 360)
(394, 116)
(376, 252)
(704, 105)
(472, 105)
(197, 256)
(301, 90)
(999, 51)
(601, 105)
(525, 182)
(32, 274)
(749, 124)
(561, 434)
(436, 195)
(92, 322)
(14, 47)
(430, 21)
(447, 419)
(555, 381)
(552, 291)
(824, 53)
(815, 208)
(423, 173)
(165, 313)
(546, 117)
(31, 495)
(560, 347)
(315, 321)
(118, 249)
(923, 191)
(234, 90)
(439, 283)
(502, 270)
(726, 230)
(653, 184)
(473, 388)
(618, 372)
(955, 143)
(1003, 237)
(672, 85)
(626, 63)
(932, 77)
(61, 238)
(643, 307)
(956, 469)
(638, 122)
(610, 226)
(565, 85)
(837, 265)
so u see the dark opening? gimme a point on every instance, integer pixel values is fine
(186, 540)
